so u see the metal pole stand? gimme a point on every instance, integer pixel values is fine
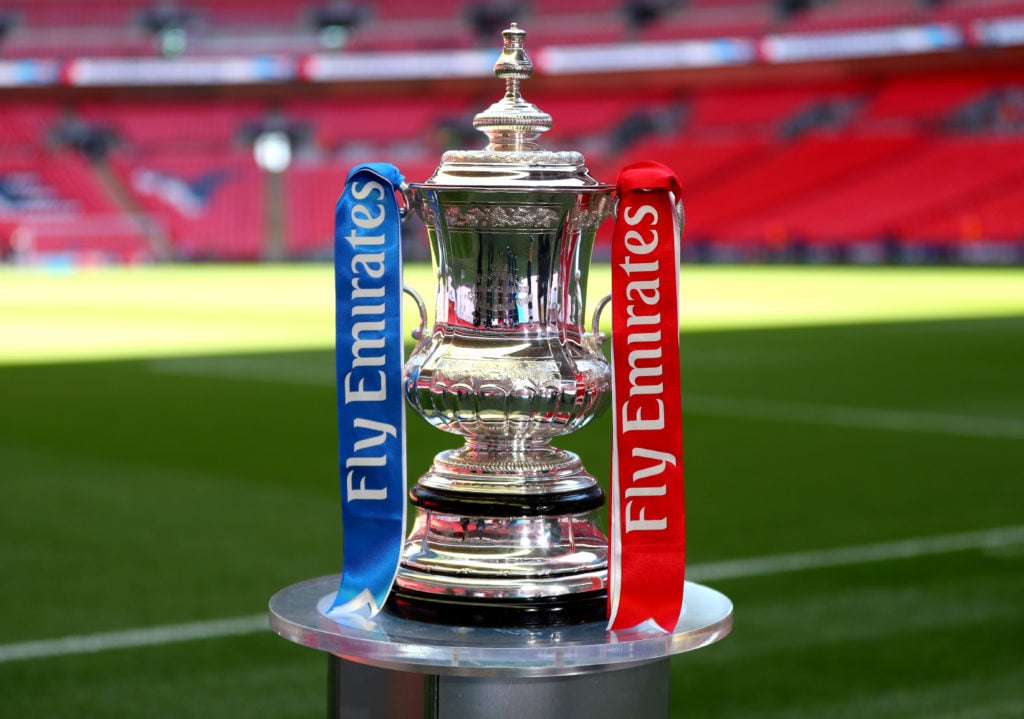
(394, 667)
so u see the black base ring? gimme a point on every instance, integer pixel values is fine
(471, 504)
(534, 612)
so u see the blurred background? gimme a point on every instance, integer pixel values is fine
(803, 130)
(852, 329)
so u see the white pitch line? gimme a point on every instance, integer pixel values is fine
(860, 417)
(861, 554)
(128, 638)
(260, 369)
(730, 569)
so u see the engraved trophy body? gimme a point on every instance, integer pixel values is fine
(505, 532)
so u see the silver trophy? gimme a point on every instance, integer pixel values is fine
(506, 531)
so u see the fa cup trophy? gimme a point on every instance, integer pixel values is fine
(506, 531)
(506, 587)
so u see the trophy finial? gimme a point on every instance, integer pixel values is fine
(513, 64)
(512, 123)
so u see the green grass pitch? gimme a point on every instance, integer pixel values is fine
(167, 456)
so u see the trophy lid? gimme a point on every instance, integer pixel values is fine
(512, 158)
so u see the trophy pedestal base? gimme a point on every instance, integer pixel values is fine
(357, 690)
(540, 612)
(392, 666)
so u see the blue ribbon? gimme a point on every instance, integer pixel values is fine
(369, 354)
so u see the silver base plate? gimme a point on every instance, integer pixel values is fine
(390, 642)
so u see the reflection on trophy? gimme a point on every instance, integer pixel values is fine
(505, 532)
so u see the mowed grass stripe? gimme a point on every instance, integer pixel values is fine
(859, 417)
(874, 418)
(188, 310)
(712, 571)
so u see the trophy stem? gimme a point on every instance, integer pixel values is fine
(502, 473)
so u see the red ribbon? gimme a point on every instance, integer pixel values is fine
(648, 533)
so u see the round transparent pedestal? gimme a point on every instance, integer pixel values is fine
(398, 667)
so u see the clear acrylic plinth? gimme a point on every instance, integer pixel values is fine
(390, 642)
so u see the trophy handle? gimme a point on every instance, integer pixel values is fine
(595, 328)
(404, 212)
(405, 208)
(420, 332)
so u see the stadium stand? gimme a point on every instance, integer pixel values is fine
(212, 204)
(714, 18)
(52, 199)
(833, 155)
(942, 173)
(859, 13)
